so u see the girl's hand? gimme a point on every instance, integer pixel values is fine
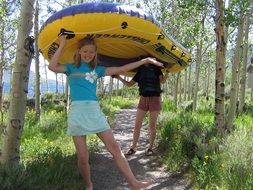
(153, 61)
(62, 39)
(115, 76)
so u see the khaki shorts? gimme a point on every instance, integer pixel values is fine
(150, 103)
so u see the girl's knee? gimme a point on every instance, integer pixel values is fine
(137, 127)
(116, 151)
(83, 158)
(152, 129)
(83, 161)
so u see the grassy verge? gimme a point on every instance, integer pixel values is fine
(190, 138)
(48, 159)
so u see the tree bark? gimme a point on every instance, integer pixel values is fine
(197, 70)
(208, 80)
(37, 68)
(185, 84)
(4, 10)
(176, 77)
(24, 54)
(189, 84)
(56, 83)
(220, 67)
(110, 88)
(46, 78)
(251, 95)
(101, 86)
(180, 90)
(67, 102)
(1, 76)
(198, 63)
(244, 62)
(235, 74)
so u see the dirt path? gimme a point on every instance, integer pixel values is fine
(106, 175)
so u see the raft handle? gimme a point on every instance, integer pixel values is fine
(173, 47)
(69, 34)
(160, 36)
(124, 25)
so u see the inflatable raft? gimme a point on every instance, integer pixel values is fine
(122, 33)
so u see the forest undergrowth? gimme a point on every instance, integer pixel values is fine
(190, 138)
(185, 138)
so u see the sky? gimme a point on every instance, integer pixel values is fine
(44, 16)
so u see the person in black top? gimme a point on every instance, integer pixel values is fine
(149, 79)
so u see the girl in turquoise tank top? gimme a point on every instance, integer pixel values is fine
(85, 116)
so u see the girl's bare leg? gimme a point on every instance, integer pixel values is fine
(140, 114)
(152, 127)
(113, 147)
(83, 160)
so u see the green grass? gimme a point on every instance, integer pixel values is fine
(237, 155)
(48, 159)
(51, 169)
(191, 138)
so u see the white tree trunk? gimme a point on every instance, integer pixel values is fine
(197, 70)
(198, 63)
(208, 80)
(220, 67)
(189, 84)
(56, 83)
(235, 74)
(37, 67)
(45, 69)
(110, 88)
(244, 63)
(185, 84)
(251, 95)
(180, 90)
(24, 53)
(67, 102)
(176, 77)
(101, 86)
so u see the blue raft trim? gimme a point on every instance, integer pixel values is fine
(100, 8)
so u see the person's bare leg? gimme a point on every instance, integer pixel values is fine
(152, 127)
(140, 114)
(83, 160)
(122, 163)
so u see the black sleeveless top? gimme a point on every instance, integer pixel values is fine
(148, 80)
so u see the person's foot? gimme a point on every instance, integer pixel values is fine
(89, 188)
(149, 152)
(130, 152)
(141, 185)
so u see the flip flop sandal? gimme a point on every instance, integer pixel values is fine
(149, 152)
(130, 152)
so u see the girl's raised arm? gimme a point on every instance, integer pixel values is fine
(117, 70)
(125, 82)
(54, 64)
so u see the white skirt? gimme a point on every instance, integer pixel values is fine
(86, 117)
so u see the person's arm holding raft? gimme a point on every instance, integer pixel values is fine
(125, 82)
(54, 64)
(164, 77)
(130, 66)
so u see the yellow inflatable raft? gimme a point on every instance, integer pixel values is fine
(122, 34)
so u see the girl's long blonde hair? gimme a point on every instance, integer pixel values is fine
(77, 56)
